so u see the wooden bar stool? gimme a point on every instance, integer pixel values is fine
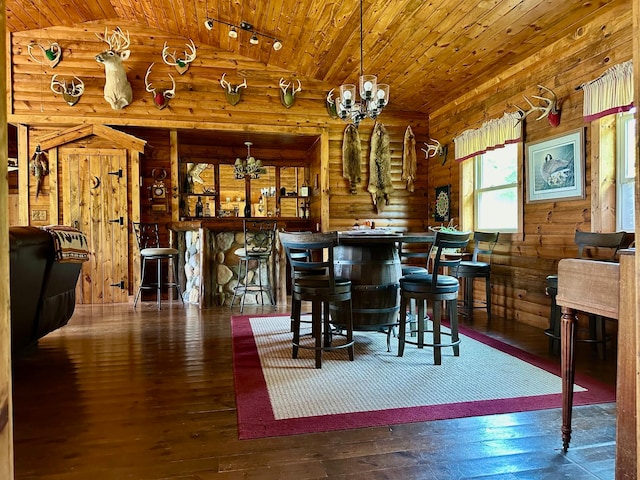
(326, 293)
(434, 288)
(469, 270)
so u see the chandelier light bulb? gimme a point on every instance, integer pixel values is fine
(254, 40)
(233, 33)
(277, 45)
(208, 24)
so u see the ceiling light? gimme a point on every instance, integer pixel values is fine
(374, 96)
(235, 30)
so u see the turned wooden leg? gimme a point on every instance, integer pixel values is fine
(568, 370)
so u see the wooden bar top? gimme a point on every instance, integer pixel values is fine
(234, 224)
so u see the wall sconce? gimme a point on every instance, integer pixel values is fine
(247, 27)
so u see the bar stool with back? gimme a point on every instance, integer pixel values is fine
(148, 238)
(597, 246)
(326, 292)
(434, 288)
(468, 270)
(259, 236)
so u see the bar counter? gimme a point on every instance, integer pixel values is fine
(208, 265)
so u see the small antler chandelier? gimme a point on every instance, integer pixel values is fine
(250, 167)
(374, 96)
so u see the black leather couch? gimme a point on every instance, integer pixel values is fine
(42, 290)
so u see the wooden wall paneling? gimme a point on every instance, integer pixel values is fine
(594, 47)
(6, 406)
(636, 308)
(23, 174)
(174, 186)
(603, 174)
(54, 194)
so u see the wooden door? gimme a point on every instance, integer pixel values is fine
(94, 199)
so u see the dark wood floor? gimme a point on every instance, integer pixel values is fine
(121, 394)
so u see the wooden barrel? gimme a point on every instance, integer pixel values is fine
(374, 270)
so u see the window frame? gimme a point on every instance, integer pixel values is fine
(623, 153)
(477, 191)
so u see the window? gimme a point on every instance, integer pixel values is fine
(496, 190)
(626, 172)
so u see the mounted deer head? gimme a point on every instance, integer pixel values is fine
(181, 64)
(160, 99)
(288, 97)
(233, 92)
(434, 149)
(117, 89)
(70, 92)
(548, 107)
(51, 55)
(330, 103)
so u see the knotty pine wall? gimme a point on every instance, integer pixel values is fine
(200, 104)
(521, 262)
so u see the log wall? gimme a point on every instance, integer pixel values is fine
(522, 262)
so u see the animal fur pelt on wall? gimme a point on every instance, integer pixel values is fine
(380, 186)
(409, 159)
(351, 157)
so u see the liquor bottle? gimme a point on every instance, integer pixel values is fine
(199, 207)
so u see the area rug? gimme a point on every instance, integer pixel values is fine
(277, 395)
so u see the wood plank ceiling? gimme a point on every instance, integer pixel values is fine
(429, 51)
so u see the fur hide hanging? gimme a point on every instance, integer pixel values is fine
(409, 159)
(380, 186)
(351, 157)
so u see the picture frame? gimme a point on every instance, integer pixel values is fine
(555, 168)
(442, 204)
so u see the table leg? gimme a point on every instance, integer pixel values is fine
(568, 370)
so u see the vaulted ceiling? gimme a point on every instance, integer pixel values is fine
(429, 51)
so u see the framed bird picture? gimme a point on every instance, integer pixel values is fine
(442, 210)
(555, 168)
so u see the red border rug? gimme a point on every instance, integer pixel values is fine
(256, 418)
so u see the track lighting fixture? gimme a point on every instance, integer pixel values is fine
(247, 27)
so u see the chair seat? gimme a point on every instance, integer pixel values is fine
(421, 282)
(318, 286)
(243, 253)
(412, 269)
(473, 266)
(152, 252)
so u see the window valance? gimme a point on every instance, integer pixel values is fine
(611, 92)
(492, 134)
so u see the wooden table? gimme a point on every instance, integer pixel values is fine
(607, 289)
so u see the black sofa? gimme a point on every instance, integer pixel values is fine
(42, 289)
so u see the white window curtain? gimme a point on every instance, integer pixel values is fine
(492, 134)
(611, 92)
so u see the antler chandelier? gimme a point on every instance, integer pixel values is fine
(374, 96)
(250, 167)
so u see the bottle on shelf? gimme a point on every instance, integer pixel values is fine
(199, 207)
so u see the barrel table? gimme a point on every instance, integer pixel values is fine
(370, 259)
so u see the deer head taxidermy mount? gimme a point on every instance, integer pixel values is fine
(51, 55)
(70, 92)
(117, 89)
(330, 103)
(232, 92)
(548, 107)
(160, 98)
(288, 93)
(434, 149)
(181, 64)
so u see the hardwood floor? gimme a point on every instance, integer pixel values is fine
(122, 394)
